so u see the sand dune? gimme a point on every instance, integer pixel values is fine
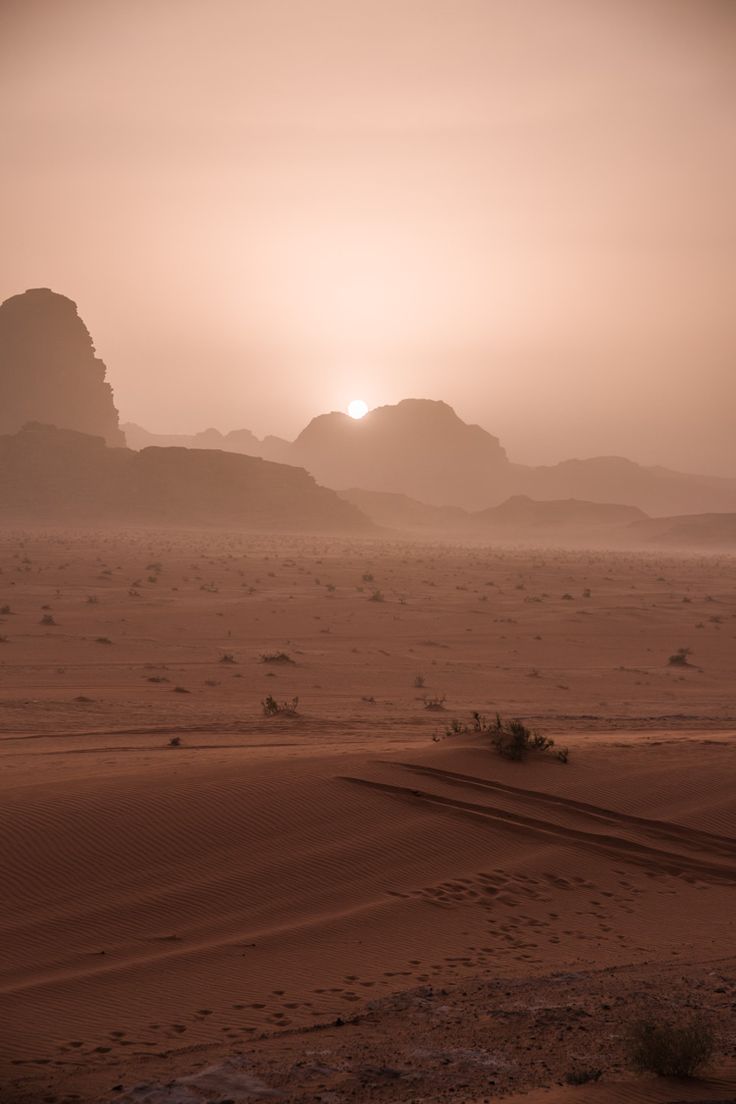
(207, 916)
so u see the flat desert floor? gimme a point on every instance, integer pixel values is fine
(205, 903)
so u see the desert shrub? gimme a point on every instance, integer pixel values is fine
(376, 596)
(680, 657)
(276, 657)
(511, 739)
(583, 1076)
(419, 681)
(5, 610)
(435, 703)
(103, 640)
(175, 741)
(47, 619)
(272, 708)
(674, 1048)
(228, 657)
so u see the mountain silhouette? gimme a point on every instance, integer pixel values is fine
(48, 368)
(419, 447)
(50, 474)
(422, 450)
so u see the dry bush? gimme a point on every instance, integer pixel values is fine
(272, 708)
(511, 739)
(671, 1048)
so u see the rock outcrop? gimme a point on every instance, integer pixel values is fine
(419, 448)
(59, 475)
(521, 513)
(48, 369)
(422, 450)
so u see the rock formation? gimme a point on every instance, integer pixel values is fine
(59, 475)
(521, 512)
(48, 369)
(418, 447)
(422, 450)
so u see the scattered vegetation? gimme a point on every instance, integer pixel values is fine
(47, 619)
(681, 658)
(276, 657)
(419, 681)
(671, 1048)
(376, 596)
(273, 708)
(583, 1076)
(511, 739)
(175, 741)
(228, 657)
(435, 704)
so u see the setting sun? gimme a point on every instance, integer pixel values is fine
(357, 408)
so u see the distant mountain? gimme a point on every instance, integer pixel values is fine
(421, 449)
(655, 490)
(397, 511)
(518, 518)
(49, 474)
(688, 531)
(418, 447)
(521, 512)
(238, 440)
(48, 368)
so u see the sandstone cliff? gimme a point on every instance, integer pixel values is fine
(48, 368)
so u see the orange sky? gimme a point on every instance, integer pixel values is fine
(265, 208)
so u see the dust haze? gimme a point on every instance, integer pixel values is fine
(272, 208)
(367, 552)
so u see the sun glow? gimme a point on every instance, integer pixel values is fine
(357, 408)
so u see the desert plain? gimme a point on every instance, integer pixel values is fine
(347, 901)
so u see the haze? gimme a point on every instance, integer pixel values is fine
(267, 209)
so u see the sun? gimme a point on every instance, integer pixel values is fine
(357, 408)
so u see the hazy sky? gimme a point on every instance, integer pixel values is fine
(266, 208)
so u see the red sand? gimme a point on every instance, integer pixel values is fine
(168, 909)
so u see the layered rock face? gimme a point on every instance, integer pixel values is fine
(48, 369)
(59, 475)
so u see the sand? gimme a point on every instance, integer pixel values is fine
(348, 903)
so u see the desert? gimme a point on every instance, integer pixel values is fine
(345, 902)
(367, 552)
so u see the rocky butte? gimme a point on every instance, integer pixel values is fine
(48, 369)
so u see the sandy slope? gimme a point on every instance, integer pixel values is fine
(168, 908)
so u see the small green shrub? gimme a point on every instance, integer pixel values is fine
(674, 1048)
